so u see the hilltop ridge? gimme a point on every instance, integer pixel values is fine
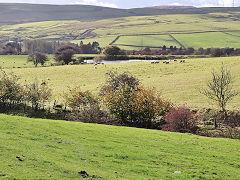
(15, 13)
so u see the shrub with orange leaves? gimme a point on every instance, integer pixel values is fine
(132, 104)
(147, 105)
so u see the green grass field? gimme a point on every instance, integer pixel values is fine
(47, 149)
(10, 61)
(178, 82)
(147, 40)
(211, 40)
(103, 41)
(236, 33)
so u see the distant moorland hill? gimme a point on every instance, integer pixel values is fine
(20, 13)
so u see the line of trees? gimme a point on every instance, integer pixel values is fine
(44, 46)
(215, 52)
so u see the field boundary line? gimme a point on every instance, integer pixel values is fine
(85, 33)
(231, 34)
(138, 46)
(115, 40)
(178, 42)
(170, 34)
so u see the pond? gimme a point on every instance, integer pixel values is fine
(117, 61)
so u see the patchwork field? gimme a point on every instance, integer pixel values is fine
(178, 82)
(182, 26)
(47, 149)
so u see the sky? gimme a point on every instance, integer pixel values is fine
(133, 3)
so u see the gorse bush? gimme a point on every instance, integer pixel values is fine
(181, 120)
(131, 103)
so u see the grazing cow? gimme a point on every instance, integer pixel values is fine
(167, 63)
(175, 60)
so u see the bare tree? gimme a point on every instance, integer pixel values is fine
(220, 89)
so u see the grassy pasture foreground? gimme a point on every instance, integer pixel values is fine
(47, 149)
(178, 82)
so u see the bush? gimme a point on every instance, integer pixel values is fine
(10, 88)
(223, 132)
(37, 94)
(130, 103)
(77, 98)
(148, 105)
(98, 59)
(117, 95)
(181, 120)
(92, 114)
(211, 117)
(232, 120)
(86, 108)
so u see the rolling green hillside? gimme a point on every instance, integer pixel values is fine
(206, 29)
(47, 149)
